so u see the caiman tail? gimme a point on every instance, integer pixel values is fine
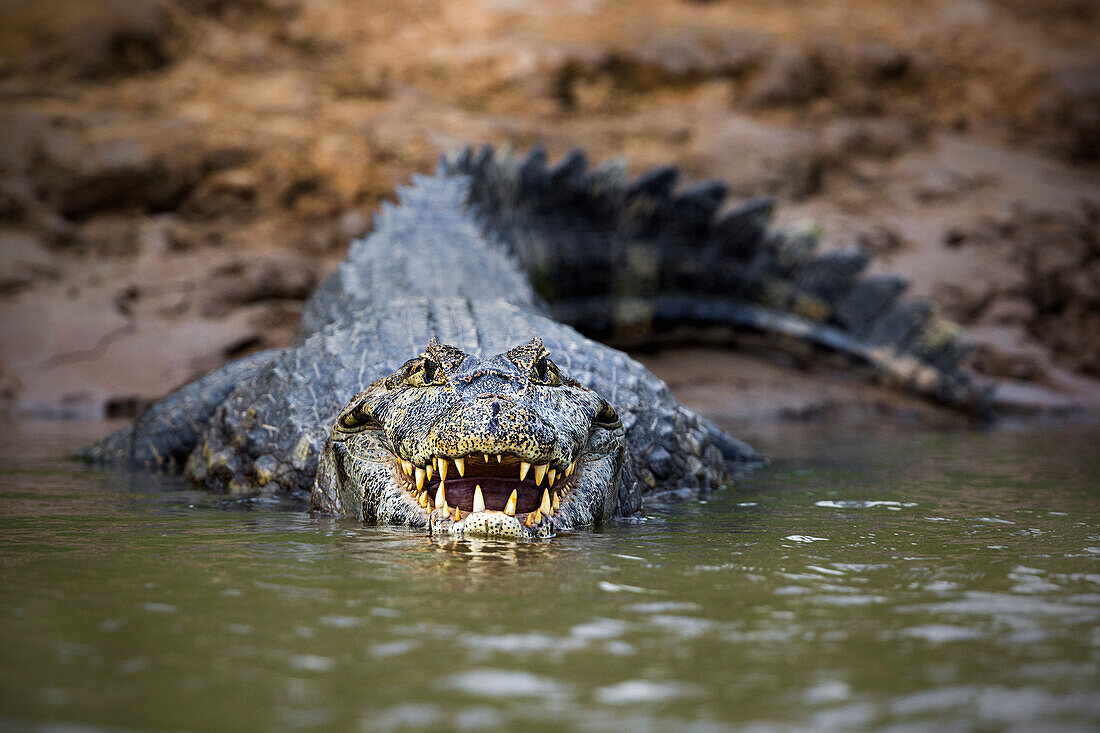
(629, 261)
(496, 249)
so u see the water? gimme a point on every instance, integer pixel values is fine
(902, 581)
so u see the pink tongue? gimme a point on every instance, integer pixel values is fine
(495, 490)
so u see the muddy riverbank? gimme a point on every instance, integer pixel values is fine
(175, 177)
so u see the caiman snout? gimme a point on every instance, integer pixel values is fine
(494, 425)
(496, 405)
(501, 448)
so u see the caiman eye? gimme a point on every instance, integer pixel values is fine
(545, 372)
(606, 417)
(425, 372)
(357, 417)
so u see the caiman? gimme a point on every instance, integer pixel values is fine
(446, 375)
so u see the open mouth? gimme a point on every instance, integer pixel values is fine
(518, 492)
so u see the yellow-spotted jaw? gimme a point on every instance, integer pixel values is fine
(503, 448)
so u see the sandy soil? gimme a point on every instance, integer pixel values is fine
(175, 176)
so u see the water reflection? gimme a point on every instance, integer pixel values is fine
(920, 581)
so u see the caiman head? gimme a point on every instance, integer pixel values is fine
(503, 447)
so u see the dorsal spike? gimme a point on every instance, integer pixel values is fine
(532, 171)
(480, 160)
(570, 168)
(457, 161)
(656, 182)
(699, 201)
(534, 160)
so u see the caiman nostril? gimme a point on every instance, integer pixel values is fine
(496, 402)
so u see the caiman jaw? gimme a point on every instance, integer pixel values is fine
(504, 447)
(486, 494)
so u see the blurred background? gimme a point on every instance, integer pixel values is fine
(177, 175)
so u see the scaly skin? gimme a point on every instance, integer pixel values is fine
(506, 447)
(498, 255)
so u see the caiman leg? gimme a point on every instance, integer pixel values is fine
(164, 435)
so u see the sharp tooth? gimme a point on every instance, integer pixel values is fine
(486, 456)
(422, 499)
(442, 469)
(460, 464)
(529, 521)
(458, 514)
(498, 458)
(419, 478)
(555, 504)
(524, 467)
(572, 467)
(479, 500)
(544, 507)
(430, 468)
(510, 507)
(441, 497)
(537, 515)
(540, 471)
(551, 474)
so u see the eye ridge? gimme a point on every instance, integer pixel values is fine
(425, 372)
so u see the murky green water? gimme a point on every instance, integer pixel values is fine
(892, 581)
